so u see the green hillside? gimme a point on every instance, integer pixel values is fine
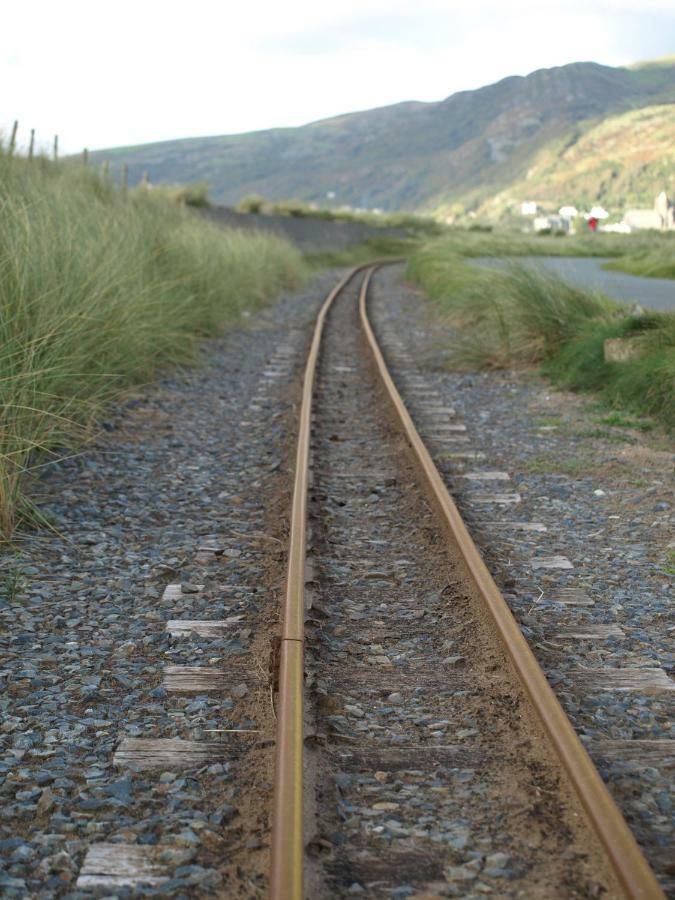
(425, 156)
(622, 161)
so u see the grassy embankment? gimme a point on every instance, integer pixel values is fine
(99, 292)
(519, 317)
(654, 262)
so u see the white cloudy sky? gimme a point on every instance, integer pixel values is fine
(129, 72)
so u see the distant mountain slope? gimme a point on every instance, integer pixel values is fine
(623, 161)
(464, 149)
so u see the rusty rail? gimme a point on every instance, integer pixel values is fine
(626, 857)
(286, 881)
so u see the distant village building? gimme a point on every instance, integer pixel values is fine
(529, 208)
(639, 219)
(598, 212)
(568, 212)
(551, 223)
(660, 218)
(664, 207)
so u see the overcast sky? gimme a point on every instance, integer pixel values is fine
(119, 73)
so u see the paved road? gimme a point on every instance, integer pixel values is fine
(652, 293)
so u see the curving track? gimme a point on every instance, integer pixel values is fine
(425, 716)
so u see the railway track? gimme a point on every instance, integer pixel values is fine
(420, 750)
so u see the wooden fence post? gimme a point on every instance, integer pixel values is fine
(85, 157)
(56, 148)
(31, 146)
(12, 139)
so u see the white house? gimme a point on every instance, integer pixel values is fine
(664, 207)
(554, 223)
(643, 218)
(529, 208)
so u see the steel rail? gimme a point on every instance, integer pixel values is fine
(625, 856)
(286, 880)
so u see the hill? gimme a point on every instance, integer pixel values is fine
(622, 161)
(454, 155)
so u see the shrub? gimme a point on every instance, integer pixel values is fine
(253, 203)
(195, 194)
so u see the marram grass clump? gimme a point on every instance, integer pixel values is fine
(507, 316)
(99, 292)
(517, 316)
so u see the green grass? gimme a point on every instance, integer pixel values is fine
(99, 292)
(377, 247)
(413, 223)
(669, 567)
(601, 434)
(11, 584)
(653, 262)
(620, 420)
(553, 465)
(519, 317)
(643, 385)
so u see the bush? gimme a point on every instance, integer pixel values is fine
(196, 194)
(252, 204)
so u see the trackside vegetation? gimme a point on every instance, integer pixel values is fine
(517, 316)
(98, 292)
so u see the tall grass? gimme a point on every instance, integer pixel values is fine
(518, 316)
(657, 261)
(510, 316)
(99, 292)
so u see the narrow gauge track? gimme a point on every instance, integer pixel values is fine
(428, 755)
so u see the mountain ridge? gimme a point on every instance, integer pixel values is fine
(454, 155)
